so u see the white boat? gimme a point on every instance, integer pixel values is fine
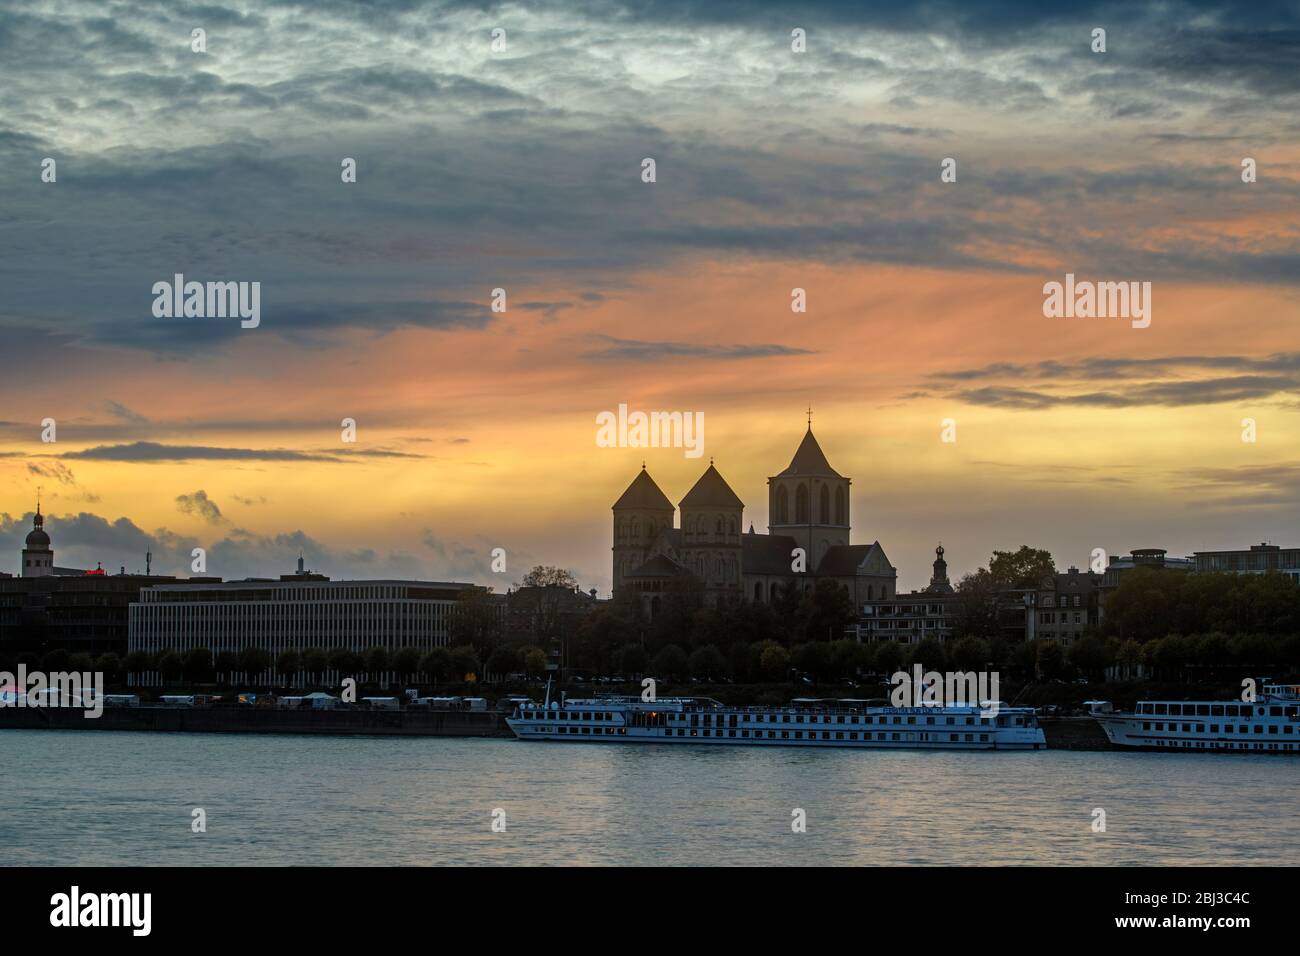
(701, 720)
(1269, 724)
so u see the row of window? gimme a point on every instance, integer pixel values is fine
(1223, 745)
(732, 720)
(1219, 710)
(1227, 728)
(772, 734)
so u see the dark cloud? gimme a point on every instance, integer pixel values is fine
(629, 350)
(201, 505)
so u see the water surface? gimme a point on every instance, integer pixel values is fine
(109, 798)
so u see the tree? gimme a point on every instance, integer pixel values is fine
(287, 663)
(503, 661)
(1024, 568)
(1051, 660)
(314, 662)
(708, 663)
(81, 662)
(110, 665)
(436, 664)
(774, 661)
(406, 662)
(198, 665)
(227, 663)
(56, 660)
(886, 658)
(377, 661)
(137, 662)
(169, 665)
(930, 654)
(813, 657)
(543, 576)
(974, 609)
(253, 661)
(671, 663)
(533, 660)
(464, 663)
(343, 662)
(829, 609)
(969, 654)
(476, 621)
(632, 660)
(1091, 656)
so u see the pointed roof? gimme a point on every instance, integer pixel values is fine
(643, 493)
(711, 491)
(809, 459)
(844, 560)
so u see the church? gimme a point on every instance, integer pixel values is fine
(808, 509)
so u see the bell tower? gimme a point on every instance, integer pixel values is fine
(640, 513)
(38, 556)
(809, 501)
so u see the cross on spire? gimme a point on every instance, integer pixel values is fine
(810, 418)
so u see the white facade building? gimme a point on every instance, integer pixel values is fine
(293, 615)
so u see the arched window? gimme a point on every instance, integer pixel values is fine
(841, 513)
(732, 525)
(782, 505)
(824, 506)
(719, 527)
(801, 505)
(871, 592)
(636, 527)
(758, 591)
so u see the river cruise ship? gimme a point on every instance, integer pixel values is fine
(804, 723)
(1270, 724)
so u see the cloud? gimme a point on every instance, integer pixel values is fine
(148, 451)
(630, 350)
(1180, 380)
(201, 505)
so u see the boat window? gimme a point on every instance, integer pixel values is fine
(1162, 708)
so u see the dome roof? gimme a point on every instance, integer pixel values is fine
(37, 539)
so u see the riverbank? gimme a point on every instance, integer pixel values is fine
(263, 720)
(1062, 733)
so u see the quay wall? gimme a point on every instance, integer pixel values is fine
(252, 720)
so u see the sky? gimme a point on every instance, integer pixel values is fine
(521, 168)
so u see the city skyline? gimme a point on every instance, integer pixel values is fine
(521, 168)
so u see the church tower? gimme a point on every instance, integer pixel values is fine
(809, 501)
(38, 556)
(711, 525)
(939, 583)
(640, 513)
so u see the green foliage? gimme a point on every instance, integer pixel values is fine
(198, 666)
(708, 663)
(671, 663)
(436, 664)
(1025, 567)
(774, 661)
(1151, 603)
(543, 576)
(405, 662)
